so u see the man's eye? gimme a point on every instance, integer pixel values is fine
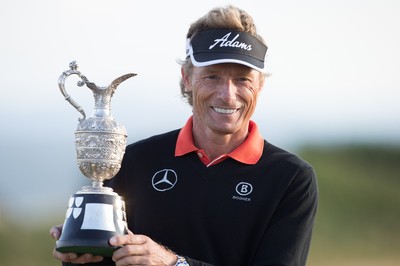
(244, 79)
(211, 77)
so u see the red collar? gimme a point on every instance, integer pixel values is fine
(249, 152)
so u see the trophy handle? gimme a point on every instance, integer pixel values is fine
(61, 84)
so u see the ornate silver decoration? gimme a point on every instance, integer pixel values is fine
(100, 140)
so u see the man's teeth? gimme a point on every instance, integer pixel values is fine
(224, 111)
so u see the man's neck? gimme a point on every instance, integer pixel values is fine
(215, 144)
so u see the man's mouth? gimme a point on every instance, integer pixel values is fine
(225, 110)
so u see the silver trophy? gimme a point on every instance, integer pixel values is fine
(95, 213)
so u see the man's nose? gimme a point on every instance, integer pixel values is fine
(227, 89)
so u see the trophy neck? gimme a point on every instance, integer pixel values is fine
(96, 187)
(102, 104)
(102, 112)
(97, 184)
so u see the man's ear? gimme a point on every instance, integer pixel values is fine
(262, 85)
(263, 81)
(185, 79)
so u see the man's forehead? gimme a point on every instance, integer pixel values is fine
(229, 70)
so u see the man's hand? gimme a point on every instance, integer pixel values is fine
(55, 233)
(140, 250)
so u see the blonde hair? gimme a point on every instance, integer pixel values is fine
(229, 17)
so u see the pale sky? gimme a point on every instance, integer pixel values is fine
(334, 67)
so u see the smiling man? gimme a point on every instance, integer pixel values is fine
(214, 192)
(224, 97)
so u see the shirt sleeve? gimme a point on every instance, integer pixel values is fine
(286, 240)
(193, 262)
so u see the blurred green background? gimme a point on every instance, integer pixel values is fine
(359, 211)
(357, 221)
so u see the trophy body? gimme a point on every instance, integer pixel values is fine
(95, 213)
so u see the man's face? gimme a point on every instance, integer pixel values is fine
(224, 96)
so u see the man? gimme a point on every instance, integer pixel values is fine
(214, 192)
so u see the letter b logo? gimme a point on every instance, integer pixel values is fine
(244, 188)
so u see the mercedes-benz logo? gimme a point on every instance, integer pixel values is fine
(164, 180)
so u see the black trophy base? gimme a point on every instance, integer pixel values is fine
(88, 248)
(91, 220)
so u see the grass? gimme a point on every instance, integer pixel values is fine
(358, 211)
(25, 245)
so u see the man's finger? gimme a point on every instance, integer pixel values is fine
(130, 239)
(74, 258)
(55, 231)
(66, 257)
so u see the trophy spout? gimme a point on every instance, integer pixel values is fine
(102, 95)
(121, 79)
